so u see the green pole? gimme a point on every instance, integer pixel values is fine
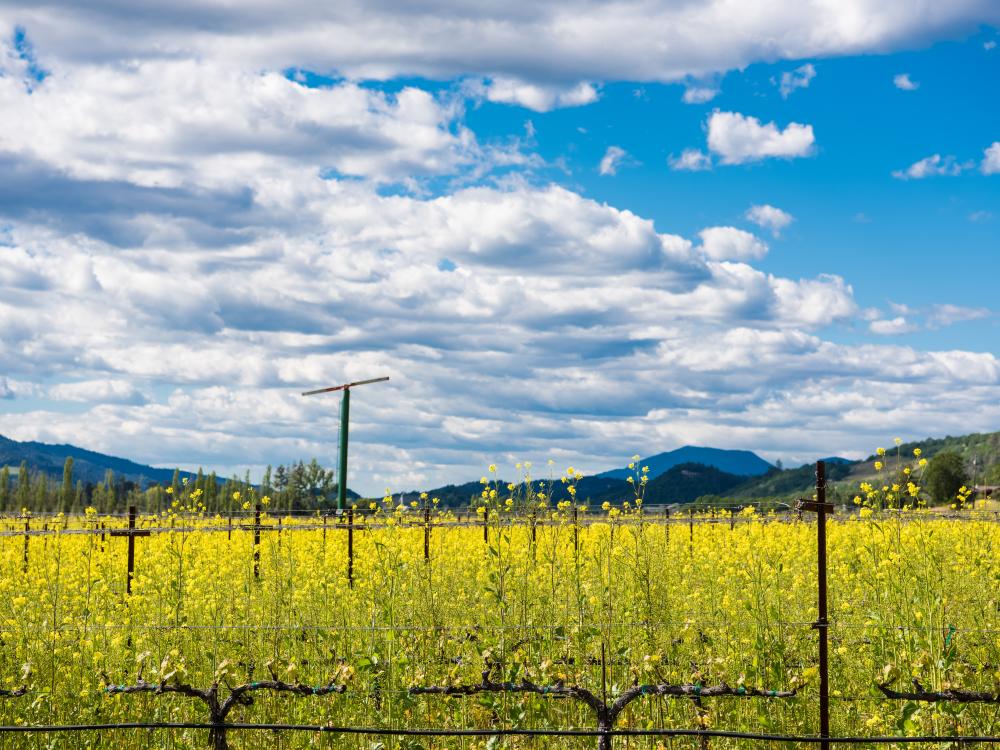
(345, 416)
(345, 410)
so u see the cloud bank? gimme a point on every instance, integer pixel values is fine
(193, 232)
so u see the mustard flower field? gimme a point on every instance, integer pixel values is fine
(519, 594)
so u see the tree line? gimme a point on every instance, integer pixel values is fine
(298, 487)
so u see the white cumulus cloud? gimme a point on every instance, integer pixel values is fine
(611, 160)
(561, 43)
(769, 217)
(738, 138)
(730, 243)
(699, 94)
(796, 79)
(930, 166)
(105, 391)
(170, 123)
(892, 327)
(991, 159)
(904, 82)
(539, 97)
(691, 160)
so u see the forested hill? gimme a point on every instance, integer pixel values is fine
(88, 466)
(42, 477)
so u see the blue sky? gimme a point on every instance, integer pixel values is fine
(574, 231)
(914, 242)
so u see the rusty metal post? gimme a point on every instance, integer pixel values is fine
(256, 542)
(821, 507)
(130, 566)
(350, 547)
(131, 533)
(822, 623)
(604, 740)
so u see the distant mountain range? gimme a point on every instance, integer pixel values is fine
(88, 466)
(676, 476)
(740, 463)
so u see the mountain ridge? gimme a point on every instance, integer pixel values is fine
(88, 465)
(739, 462)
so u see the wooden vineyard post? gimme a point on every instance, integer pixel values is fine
(27, 530)
(256, 542)
(131, 532)
(350, 547)
(691, 531)
(576, 530)
(821, 507)
(604, 741)
(534, 529)
(229, 532)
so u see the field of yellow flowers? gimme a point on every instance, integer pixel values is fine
(522, 593)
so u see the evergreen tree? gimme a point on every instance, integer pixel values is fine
(66, 499)
(281, 478)
(79, 497)
(176, 484)
(23, 487)
(212, 491)
(265, 483)
(41, 492)
(297, 484)
(4, 488)
(226, 501)
(156, 502)
(280, 487)
(108, 499)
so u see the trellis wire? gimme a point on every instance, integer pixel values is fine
(504, 732)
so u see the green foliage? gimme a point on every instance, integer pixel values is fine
(783, 482)
(992, 475)
(67, 485)
(946, 473)
(23, 486)
(984, 447)
(4, 487)
(686, 482)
